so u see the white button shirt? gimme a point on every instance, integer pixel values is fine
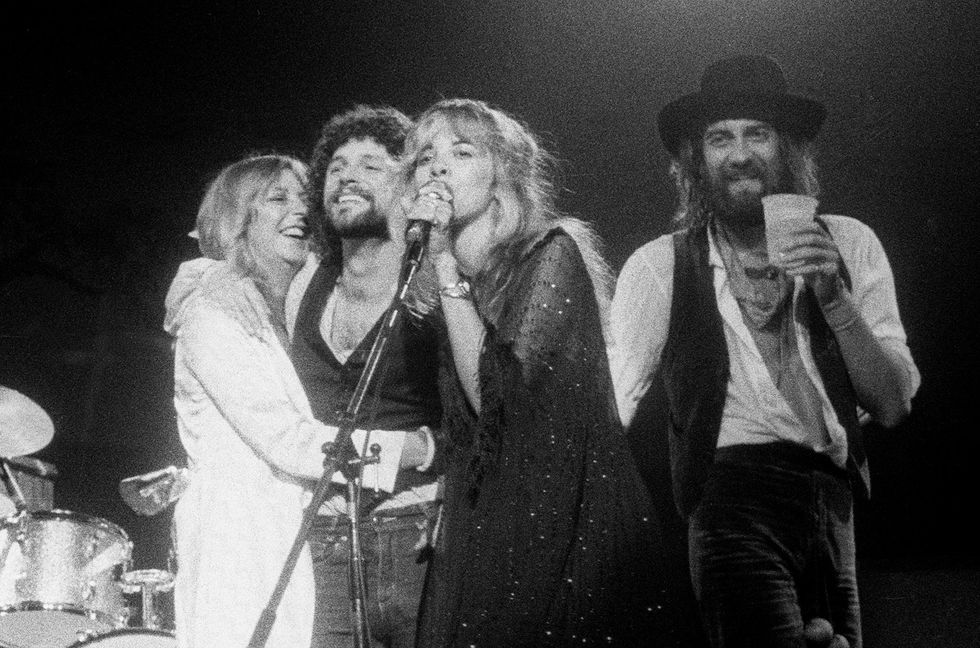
(754, 411)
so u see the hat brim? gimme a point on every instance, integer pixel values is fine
(796, 116)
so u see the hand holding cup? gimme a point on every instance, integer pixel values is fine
(785, 214)
(799, 246)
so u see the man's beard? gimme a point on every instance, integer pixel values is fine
(368, 224)
(743, 208)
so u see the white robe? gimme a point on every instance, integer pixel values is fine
(252, 445)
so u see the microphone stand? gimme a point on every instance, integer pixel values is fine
(340, 454)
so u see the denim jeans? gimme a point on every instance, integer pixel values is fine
(390, 548)
(772, 546)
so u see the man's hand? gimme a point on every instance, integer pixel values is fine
(237, 295)
(418, 450)
(820, 634)
(812, 254)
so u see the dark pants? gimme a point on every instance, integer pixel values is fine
(390, 546)
(772, 546)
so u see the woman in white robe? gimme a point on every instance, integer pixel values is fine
(253, 446)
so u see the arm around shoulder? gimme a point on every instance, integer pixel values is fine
(252, 386)
(185, 285)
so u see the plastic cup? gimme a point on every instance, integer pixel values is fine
(785, 214)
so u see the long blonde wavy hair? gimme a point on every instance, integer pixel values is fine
(523, 187)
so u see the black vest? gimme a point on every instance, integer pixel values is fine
(695, 371)
(405, 393)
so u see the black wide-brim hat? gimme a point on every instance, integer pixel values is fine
(740, 87)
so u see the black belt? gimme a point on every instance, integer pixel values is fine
(420, 508)
(780, 453)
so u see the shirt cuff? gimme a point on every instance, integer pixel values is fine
(382, 475)
(430, 449)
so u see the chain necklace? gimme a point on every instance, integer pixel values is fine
(762, 294)
(760, 290)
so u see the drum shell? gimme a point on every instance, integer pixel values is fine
(60, 563)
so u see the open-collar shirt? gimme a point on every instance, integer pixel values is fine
(755, 411)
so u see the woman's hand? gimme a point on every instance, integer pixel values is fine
(433, 203)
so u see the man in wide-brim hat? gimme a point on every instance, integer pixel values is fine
(740, 87)
(766, 362)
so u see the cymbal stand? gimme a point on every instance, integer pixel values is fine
(343, 456)
(148, 582)
(13, 489)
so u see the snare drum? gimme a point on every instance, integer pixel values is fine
(59, 578)
(130, 638)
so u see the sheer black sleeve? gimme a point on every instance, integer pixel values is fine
(545, 391)
(548, 537)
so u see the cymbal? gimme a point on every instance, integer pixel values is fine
(24, 426)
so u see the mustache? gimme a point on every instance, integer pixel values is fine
(362, 193)
(750, 170)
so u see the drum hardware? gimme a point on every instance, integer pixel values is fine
(126, 638)
(86, 634)
(148, 583)
(172, 560)
(15, 538)
(20, 504)
(114, 554)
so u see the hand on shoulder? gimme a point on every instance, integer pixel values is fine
(219, 286)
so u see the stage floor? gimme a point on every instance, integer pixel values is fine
(924, 608)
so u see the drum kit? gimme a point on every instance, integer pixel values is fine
(64, 576)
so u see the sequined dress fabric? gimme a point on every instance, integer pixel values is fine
(548, 538)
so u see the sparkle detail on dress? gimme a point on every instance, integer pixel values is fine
(547, 532)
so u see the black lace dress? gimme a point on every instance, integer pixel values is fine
(547, 538)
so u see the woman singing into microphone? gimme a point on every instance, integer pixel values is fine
(547, 537)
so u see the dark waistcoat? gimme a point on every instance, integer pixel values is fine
(405, 392)
(695, 371)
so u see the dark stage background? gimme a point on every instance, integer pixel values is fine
(115, 120)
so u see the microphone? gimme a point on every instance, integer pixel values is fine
(417, 240)
(418, 230)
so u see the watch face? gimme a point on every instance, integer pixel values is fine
(458, 290)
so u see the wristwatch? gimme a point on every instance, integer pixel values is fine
(458, 290)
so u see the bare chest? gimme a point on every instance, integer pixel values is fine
(348, 320)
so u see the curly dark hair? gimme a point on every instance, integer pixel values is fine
(385, 125)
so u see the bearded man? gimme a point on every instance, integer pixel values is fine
(335, 311)
(770, 366)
